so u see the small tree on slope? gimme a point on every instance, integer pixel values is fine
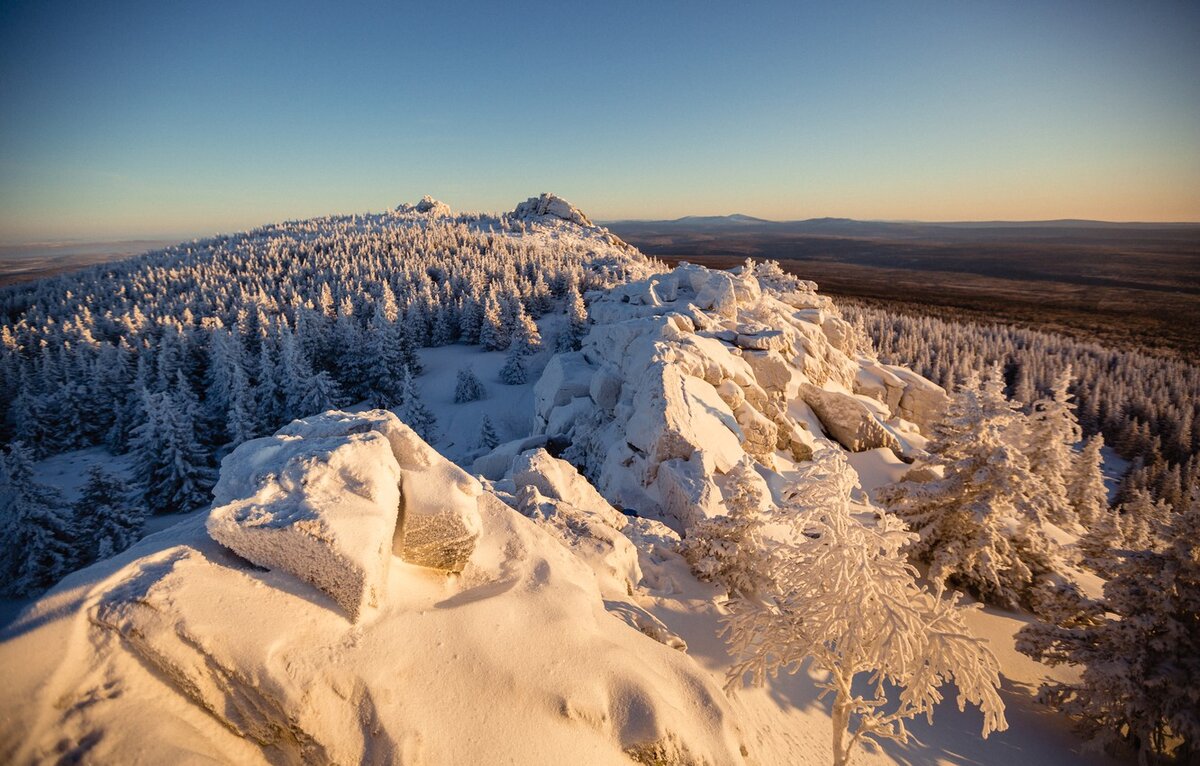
(730, 549)
(413, 411)
(1085, 483)
(487, 434)
(514, 373)
(468, 388)
(37, 540)
(843, 595)
(1053, 431)
(109, 522)
(979, 527)
(1141, 660)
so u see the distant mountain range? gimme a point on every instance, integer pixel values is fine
(947, 231)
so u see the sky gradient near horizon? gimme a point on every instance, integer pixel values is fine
(131, 119)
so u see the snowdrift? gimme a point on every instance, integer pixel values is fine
(341, 652)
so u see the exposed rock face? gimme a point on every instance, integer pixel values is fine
(848, 420)
(905, 393)
(553, 206)
(428, 206)
(683, 374)
(282, 503)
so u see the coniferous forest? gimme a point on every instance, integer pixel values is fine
(179, 355)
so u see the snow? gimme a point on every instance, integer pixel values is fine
(134, 659)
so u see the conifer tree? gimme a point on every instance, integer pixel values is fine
(487, 434)
(1053, 432)
(514, 373)
(414, 412)
(175, 475)
(980, 526)
(1141, 658)
(729, 549)
(241, 421)
(38, 543)
(493, 335)
(525, 335)
(109, 522)
(468, 387)
(1085, 483)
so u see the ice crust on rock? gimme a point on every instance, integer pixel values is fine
(321, 508)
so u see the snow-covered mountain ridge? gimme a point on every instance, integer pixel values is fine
(353, 596)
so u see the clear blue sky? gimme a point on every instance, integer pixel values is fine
(122, 119)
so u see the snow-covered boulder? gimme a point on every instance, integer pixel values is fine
(687, 415)
(557, 479)
(428, 207)
(923, 401)
(849, 421)
(322, 509)
(550, 205)
(439, 515)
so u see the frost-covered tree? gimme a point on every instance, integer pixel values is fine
(241, 420)
(468, 388)
(414, 412)
(493, 335)
(843, 596)
(109, 523)
(571, 337)
(1053, 432)
(1143, 521)
(320, 393)
(524, 331)
(1141, 660)
(173, 467)
(980, 526)
(385, 354)
(730, 549)
(38, 543)
(487, 434)
(514, 373)
(1085, 483)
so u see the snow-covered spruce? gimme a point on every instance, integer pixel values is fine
(1146, 405)
(1140, 652)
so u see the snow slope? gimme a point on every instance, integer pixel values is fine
(573, 633)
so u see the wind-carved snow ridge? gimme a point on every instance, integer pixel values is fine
(685, 373)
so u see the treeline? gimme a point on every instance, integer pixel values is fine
(181, 354)
(1146, 406)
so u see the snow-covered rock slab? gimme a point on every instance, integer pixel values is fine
(323, 509)
(439, 506)
(848, 420)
